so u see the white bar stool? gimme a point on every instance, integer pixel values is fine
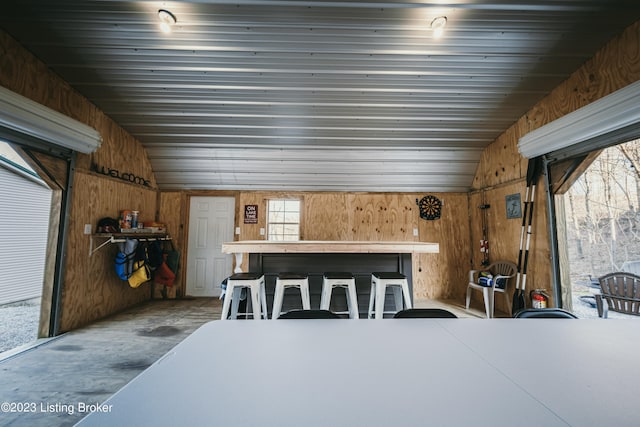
(235, 283)
(290, 280)
(344, 280)
(379, 283)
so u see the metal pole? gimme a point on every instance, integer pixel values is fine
(556, 283)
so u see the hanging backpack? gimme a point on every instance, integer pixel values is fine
(125, 258)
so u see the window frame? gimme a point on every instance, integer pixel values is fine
(283, 223)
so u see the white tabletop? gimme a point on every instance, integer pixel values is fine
(391, 372)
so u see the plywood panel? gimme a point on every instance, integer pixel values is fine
(326, 217)
(500, 161)
(171, 211)
(613, 67)
(119, 151)
(52, 170)
(444, 276)
(382, 216)
(46, 305)
(91, 287)
(252, 231)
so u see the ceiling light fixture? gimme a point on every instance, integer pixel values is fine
(167, 20)
(437, 25)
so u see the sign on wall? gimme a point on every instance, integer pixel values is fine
(513, 206)
(250, 214)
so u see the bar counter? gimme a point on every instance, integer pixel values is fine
(327, 246)
(315, 257)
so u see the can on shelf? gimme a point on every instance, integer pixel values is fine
(134, 219)
(126, 218)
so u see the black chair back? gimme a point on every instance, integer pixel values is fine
(415, 313)
(544, 313)
(309, 314)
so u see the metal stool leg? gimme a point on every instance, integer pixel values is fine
(352, 300)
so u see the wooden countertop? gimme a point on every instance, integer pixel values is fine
(328, 246)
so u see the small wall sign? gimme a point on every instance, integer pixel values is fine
(514, 208)
(250, 214)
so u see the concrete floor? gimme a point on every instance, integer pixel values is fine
(49, 384)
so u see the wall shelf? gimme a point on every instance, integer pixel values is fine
(103, 239)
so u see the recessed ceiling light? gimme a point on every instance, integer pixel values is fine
(437, 25)
(167, 20)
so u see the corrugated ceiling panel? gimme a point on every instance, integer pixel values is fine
(362, 77)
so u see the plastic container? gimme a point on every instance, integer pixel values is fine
(539, 299)
(126, 218)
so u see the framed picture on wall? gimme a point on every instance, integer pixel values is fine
(514, 207)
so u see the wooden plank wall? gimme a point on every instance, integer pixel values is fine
(172, 211)
(373, 217)
(362, 216)
(91, 288)
(502, 169)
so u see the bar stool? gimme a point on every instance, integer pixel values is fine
(235, 283)
(344, 280)
(379, 283)
(290, 280)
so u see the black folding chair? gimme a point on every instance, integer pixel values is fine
(544, 313)
(309, 314)
(415, 313)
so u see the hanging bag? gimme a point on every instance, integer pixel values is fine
(163, 274)
(140, 274)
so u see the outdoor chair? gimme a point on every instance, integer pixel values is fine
(620, 292)
(502, 272)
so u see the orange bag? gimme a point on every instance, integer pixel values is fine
(163, 275)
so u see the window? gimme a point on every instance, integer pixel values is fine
(283, 220)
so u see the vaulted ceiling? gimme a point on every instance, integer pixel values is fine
(315, 95)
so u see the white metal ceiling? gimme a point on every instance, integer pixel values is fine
(315, 95)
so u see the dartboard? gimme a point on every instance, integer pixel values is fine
(430, 207)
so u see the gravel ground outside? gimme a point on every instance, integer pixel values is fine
(582, 308)
(19, 323)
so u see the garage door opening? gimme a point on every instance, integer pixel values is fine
(25, 211)
(602, 224)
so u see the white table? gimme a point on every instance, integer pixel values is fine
(439, 372)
